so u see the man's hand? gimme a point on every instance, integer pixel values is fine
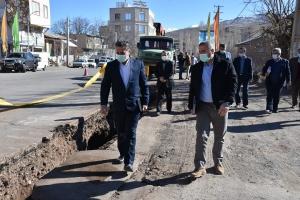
(104, 110)
(145, 108)
(223, 110)
(162, 79)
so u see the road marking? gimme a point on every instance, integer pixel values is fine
(88, 84)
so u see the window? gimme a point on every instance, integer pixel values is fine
(127, 16)
(45, 12)
(35, 8)
(142, 29)
(127, 28)
(156, 44)
(117, 28)
(117, 16)
(142, 16)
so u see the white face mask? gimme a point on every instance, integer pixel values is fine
(121, 58)
(204, 57)
(275, 56)
(242, 54)
(164, 58)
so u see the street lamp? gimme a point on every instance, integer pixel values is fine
(28, 26)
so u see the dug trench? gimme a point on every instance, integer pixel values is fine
(20, 172)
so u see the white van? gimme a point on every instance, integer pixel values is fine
(43, 60)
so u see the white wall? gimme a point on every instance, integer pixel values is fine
(39, 19)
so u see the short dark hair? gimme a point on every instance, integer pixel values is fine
(122, 44)
(206, 43)
(222, 45)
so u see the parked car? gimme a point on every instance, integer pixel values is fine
(20, 62)
(80, 63)
(92, 63)
(104, 60)
(43, 60)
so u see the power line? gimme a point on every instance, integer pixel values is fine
(246, 5)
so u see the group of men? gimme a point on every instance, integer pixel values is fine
(214, 86)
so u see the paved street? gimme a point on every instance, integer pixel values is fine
(22, 127)
(261, 159)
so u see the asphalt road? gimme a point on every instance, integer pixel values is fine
(20, 128)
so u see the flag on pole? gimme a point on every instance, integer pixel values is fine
(208, 28)
(15, 33)
(4, 32)
(216, 29)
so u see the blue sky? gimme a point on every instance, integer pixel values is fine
(173, 14)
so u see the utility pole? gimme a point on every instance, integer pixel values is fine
(68, 39)
(295, 44)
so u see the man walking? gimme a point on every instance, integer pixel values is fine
(187, 65)
(276, 71)
(295, 74)
(212, 90)
(181, 64)
(222, 53)
(164, 82)
(243, 68)
(126, 77)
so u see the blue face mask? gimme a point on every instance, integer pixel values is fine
(121, 58)
(204, 57)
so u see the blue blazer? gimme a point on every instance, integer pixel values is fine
(248, 71)
(131, 98)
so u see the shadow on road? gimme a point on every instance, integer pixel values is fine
(254, 128)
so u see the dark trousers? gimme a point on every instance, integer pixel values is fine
(126, 124)
(296, 92)
(273, 96)
(181, 70)
(242, 81)
(163, 89)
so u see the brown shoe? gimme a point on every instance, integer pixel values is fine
(219, 169)
(199, 172)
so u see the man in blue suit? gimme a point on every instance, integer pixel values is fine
(243, 68)
(126, 76)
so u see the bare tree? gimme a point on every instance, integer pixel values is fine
(80, 25)
(94, 28)
(279, 15)
(60, 27)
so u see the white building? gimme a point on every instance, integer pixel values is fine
(34, 17)
(39, 23)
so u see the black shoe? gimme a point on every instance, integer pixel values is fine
(269, 111)
(245, 108)
(158, 113)
(275, 111)
(120, 160)
(128, 168)
(169, 111)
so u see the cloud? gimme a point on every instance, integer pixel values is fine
(171, 29)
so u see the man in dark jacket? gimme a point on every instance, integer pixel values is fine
(222, 53)
(181, 61)
(295, 73)
(212, 90)
(277, 72)
(126, 77)
(164, 82)
(243, 68)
